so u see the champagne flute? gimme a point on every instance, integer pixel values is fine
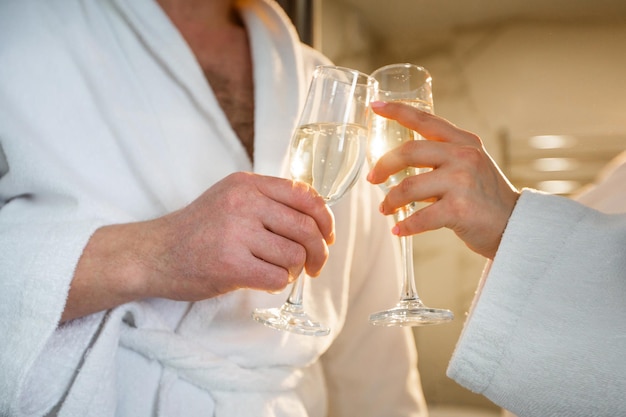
(412, 85)
(327, 151)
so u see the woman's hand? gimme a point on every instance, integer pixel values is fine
(468, 192)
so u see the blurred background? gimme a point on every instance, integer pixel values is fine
(541, 82)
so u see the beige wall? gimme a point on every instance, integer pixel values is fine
(523, 79)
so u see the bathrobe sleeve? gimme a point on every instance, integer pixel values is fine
(547, 333)
(46, 215)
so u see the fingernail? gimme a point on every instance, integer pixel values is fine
(381, 208)
(395, 230)
(378, 104)
(369, 176)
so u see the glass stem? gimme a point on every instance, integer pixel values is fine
(297, 288)
(295, 296)
(409, 293)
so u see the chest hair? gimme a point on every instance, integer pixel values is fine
(223, 53)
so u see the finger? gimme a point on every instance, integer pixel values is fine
(480, 232)
(240, 259)
(417, 153)
(423, 220)
(282, 253)
(303, 198)
(418, 188)
(458, 171)
(298, 230)
(428, 125)
(267, 276)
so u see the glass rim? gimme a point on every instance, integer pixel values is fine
(401, 65)
(370, 81)
(398, 71)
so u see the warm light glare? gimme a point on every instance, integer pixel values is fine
(558, 186)
(555, 164)
(377, 148)
(300, 167)
(552, 141)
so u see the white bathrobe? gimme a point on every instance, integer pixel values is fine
(106, 117)
(547, 334)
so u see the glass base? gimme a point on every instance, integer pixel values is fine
(292, 318)
(411, 313)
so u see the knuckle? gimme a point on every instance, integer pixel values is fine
(278, 281)
(321, 254)
(412, 224)
(273, 282)
(462, 180)
(459, 206)
(314, 200)
(240, 176)
(469, 153)
(310, 200)
(306, 226)
(406, 186)
(233, 199)
(473, 139)
(294, 257)
(470, 159)
(298, 257)
(303, 190)
(408, 149)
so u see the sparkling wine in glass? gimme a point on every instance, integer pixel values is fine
(412, 85)
(327, 151)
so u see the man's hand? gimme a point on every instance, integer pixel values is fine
(246, 231)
